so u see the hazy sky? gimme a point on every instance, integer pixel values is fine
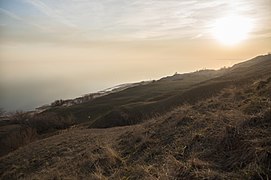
(53, 49)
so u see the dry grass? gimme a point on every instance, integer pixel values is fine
(215, 138)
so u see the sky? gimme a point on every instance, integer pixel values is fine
(60, 49)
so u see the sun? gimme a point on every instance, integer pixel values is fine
(232, 29)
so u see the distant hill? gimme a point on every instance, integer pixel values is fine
(202, 125)
(87, 97)
(135, 104)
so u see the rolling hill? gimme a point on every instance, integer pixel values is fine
(135, 104)
(202, 125)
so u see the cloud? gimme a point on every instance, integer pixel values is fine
(10, 14)
(50, 12)
(18, 18)
(84, 20)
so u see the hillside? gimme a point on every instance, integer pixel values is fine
(135, 104)
(202, 125)
(87, 97)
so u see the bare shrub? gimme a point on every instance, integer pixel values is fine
(50, 121)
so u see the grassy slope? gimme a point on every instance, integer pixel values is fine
(223, 132)
(123, 108)
(226, 136)
(135, 104)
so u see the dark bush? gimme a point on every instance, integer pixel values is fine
(49, 122)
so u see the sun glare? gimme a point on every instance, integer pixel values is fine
(232, 29)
